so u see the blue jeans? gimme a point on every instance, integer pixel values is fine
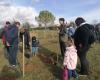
(12, 52)
(34, 50)
(6, 52)
(72, 73)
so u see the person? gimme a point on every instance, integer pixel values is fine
(21, 34)
(83, 39)
(70, 59)
(71, 30)
(4, 30)
(7, 25)
(35, 45)
(26, 34)
(27, 39)
(62, 33)
(97, 31)
(12, 42)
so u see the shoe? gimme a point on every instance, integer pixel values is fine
(12, 66)
(83, 74)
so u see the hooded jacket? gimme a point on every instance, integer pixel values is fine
(84, 35)
(70, 58)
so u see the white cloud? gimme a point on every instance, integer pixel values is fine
(89, 16)
(92, 15)
(20, 13)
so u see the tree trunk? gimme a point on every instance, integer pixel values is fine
(45, 31)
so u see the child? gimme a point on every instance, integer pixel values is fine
(35, 44)
(70, 59)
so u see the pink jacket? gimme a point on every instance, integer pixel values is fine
(70, 58)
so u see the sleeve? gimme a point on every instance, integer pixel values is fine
(62, 31)
(66, 59)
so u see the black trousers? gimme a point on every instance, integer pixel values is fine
(82, 53)
(62, 48)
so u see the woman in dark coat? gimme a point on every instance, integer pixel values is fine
(83, 39)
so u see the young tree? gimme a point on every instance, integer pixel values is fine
(26, 25)
(45, 18)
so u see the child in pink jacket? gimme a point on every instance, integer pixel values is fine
(70, 59)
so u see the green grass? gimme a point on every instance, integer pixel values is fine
(41, 67)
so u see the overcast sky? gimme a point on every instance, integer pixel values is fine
(26, 10)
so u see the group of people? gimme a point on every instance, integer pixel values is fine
(10, 41)
(78, 43)
(11, 36)
(34, 41)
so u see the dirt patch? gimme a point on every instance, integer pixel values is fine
(30, 67)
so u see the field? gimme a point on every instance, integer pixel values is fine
(43, 66)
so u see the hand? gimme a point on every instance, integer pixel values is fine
(65, 67)
(7, 44)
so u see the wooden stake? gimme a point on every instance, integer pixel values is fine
(58, 46)
(23, 58)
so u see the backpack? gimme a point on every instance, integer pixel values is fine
(92, 36)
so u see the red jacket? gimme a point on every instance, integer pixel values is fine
(3, 40)
(3, 36)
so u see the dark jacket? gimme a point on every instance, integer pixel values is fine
(83, 35)
(11, 35)
(26, 37)
(62, 32)
(35, 43)
(21, 36)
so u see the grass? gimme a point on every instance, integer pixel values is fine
(42, 66)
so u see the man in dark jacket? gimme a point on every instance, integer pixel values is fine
(26, 34)
(12, 43)
(27, 39)
(62, 35)
(83, 39)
